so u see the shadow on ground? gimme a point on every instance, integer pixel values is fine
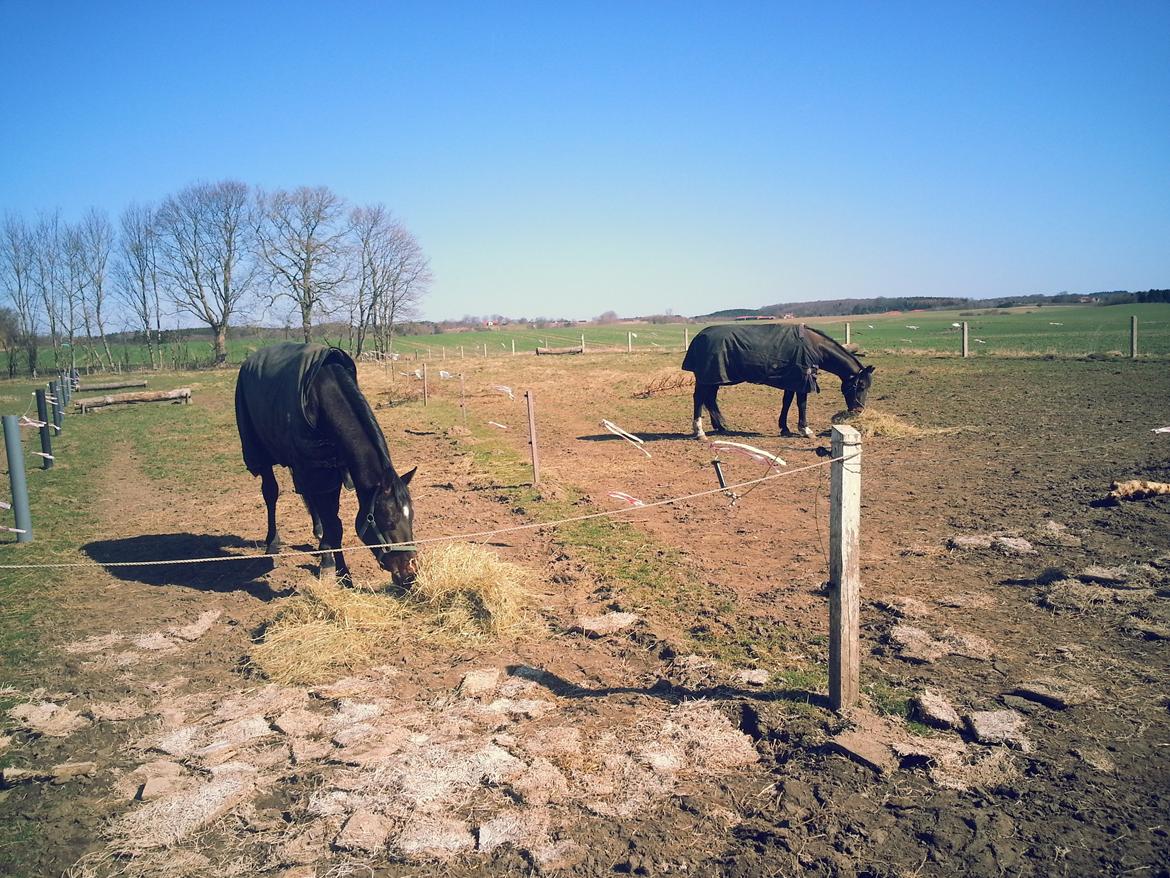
(221, 576)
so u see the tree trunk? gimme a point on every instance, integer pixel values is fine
(307, 323)
(220, 343)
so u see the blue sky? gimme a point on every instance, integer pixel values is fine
(567, 159)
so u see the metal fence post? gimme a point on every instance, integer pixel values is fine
(58, 409)
(46, 430)
(966, 342)
(16, 479)
(844, 568)
(1133, 344)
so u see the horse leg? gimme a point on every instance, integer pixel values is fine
(325, 505)
(713, 407)
(271, 490)
(317, 532)
(802, 411)
(698, 417)
(785, 406)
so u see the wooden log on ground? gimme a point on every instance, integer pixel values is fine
(182, 394)
(109, 385)
(550, 351)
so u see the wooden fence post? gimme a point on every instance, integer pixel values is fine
(844, 568)
(1133, 345)
(46, 431)
(424, 384)
(686, 337)
(16, 479)
(582, 342)
(966, 341)
(531, 400)
(629, 342)
(513, 347)
(848, 332)
(463, 399)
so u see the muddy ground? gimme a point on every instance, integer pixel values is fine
(645, 751)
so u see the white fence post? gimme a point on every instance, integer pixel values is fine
(966, 343)
(844, 568)
(1133, 345)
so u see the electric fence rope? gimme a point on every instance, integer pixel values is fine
(291, 553)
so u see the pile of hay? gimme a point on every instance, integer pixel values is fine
(870, 423)
(462, 592)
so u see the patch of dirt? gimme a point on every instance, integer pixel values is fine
(627, 752)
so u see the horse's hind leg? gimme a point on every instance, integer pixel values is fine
(698, 421)
(712, 403)
(271, 491)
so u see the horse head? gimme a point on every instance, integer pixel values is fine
(386, 516)
(856, 389)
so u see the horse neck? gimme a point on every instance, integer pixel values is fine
(835, 359)
(340, 415)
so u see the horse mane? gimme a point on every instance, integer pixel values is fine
(838, 346)
(365, 415)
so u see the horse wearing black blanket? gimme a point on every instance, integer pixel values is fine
(782, 356)
(298, 405)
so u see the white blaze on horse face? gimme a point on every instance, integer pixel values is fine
(406, 510)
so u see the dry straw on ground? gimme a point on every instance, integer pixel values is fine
(462, 592)
(871, 423)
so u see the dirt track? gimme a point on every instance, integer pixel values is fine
(1044, 440)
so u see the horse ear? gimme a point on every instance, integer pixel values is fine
(406, 477)
(868, 370)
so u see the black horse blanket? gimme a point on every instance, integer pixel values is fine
(780, 356)
(275, 424)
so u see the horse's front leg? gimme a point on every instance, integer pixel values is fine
(802, 411)
(317, 531)
(784, 407)
(324, 508)
(271, 491)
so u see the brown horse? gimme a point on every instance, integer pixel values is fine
(299, 406)
(782, 356)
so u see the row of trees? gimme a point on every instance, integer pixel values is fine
(216, 252)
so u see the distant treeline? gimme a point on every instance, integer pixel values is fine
(881, 304)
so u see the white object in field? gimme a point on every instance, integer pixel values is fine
(636, 441)
(444, 374)
(1050, 323)
(44, 455)
(4, 504)
(15, 530)
(418, 374)
(623, 496)
(957, 325)
(504, 389)
(980, 341)
(908, 326)
(757, 454)
(26, 421)
(870, 325)
(1161, 430)
(497, 424)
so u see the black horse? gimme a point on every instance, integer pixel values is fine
(298, 405)
(782, 356)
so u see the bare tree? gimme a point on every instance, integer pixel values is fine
(136, 280)
(95, 236)
(206, 241)
(303, 243)
(17, 270)
(49, 241)
(393, 275)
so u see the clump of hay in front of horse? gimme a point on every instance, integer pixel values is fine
(871, 423)
(462, 592)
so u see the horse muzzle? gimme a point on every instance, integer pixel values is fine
(402, 567)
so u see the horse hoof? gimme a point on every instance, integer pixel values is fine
(345, 580)
(787, 434)
(807, 432)
(273, 548)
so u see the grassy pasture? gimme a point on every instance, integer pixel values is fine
(1061, 330)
